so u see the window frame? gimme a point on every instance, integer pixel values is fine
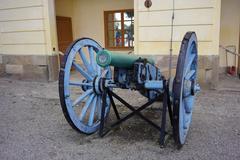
(106, 13)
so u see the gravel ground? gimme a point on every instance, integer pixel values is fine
(32, 127)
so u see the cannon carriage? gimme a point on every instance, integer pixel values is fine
(87, 111)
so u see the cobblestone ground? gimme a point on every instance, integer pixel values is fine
(32, 127)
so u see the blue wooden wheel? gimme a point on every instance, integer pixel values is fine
(185, 87)
(79, 90)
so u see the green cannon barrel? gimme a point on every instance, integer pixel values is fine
(106, 58)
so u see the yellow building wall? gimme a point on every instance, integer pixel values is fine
(153, 25)
(27, 27)
(230, 29)
(64, 8)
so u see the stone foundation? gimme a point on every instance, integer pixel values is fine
(46, 68)
(207, 68)
(30, 67)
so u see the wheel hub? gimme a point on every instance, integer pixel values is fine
(98, 85)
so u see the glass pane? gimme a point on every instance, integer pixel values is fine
(118, 42)
(128, 43)
(114, 17)
(117, 34)
(118, 37)
(117, 16)
(128, 15)
(114, 38)
(114, 43)
(128, 25)
(114, 26)
(117, 25)
(128, 34)
(114, 34)
(128, 38)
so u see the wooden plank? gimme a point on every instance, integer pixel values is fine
(5, 4)
(23, 38)
(17, 26)
(182, 17)
(39, 49)
(204, 33)
(162, 48)
(21, 14)
(179, 4)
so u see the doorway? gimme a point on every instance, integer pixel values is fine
(64, 33)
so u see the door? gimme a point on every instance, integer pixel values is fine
(64, 33)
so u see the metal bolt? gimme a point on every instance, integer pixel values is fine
(148, 3)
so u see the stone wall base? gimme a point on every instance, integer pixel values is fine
(45, 68)
(37, 68)
(208, 66)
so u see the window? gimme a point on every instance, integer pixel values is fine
(119, 29)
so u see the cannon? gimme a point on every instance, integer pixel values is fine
(87, 87)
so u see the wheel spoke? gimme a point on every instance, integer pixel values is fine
(92, 59)
(86, 106)
(80, 84)
(92, 112)
(181, 115)
(187, 120)
(86, 63)
(98, 70)
(188, 103)
(190, 74)
(108, 100)
(189, 62)
(79, 69)
(99, 106)
(84, 95)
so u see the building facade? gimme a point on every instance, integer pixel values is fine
(29, 39)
